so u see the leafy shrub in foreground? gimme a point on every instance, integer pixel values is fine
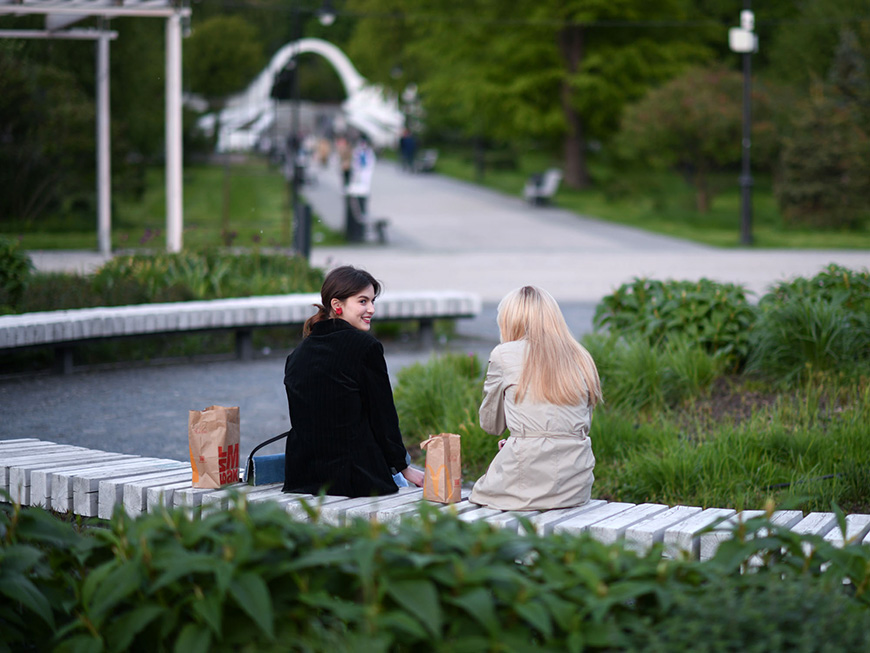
(251, 579)
(715, 315)
(763, 615)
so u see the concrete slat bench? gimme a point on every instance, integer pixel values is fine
(101, 482)
(62, 330)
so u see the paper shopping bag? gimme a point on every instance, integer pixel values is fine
(443, 479)
(214, 437)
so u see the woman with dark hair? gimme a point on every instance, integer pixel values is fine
(344, 437)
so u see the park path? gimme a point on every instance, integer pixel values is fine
(446, 233)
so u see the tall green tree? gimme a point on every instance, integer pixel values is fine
(47, 136)
(824, 178)
(555, 70)
(693, 125)
(222, 55)
(804, 45)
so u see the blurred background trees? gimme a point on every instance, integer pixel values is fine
(600, 86)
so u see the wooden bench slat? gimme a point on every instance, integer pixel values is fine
(86, 481)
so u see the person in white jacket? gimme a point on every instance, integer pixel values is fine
(542, 385)
(362, 168)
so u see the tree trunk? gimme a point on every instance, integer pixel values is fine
(571, 41)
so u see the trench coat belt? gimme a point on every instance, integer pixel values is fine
(547, 434)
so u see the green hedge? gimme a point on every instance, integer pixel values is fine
(714, 315)
(799, 329)
(250, 579)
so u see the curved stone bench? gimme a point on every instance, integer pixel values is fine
(64, 329)
(94, 483)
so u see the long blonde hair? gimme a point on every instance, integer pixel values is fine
(556, 368)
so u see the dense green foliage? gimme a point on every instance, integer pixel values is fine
(693, 124)
(544, 71)
(223, 54)
(15, 271)
(47, 131)
(714, 315)
(643, 376)
(811, 326)
(251, 579)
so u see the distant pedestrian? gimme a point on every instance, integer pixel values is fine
(345, 156)
(542, 385)
(408, 150)
(362, 169)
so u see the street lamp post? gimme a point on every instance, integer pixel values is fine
(743, 40)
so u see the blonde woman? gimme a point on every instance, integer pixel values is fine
(542, 385)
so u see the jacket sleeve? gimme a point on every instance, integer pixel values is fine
(383, 419)
(492, 419)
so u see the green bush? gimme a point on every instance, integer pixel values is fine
(763, 615)
(15, 270)
(58, 291)
(443, 396)
(638, 376)
(811, 326)
(210, 275)
(716, 315)
(251, 579)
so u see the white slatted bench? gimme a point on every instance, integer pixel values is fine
(94, 483)
(62, 330)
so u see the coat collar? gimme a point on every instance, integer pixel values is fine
(332, 325)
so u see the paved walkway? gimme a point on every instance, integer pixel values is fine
(444, 234)
(449, 234)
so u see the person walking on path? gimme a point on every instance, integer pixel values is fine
(359, 188)
(344, 431)
(542, 385)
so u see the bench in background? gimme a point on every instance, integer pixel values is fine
(540, 189)
(62, 330)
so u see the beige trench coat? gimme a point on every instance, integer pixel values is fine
(547, 461)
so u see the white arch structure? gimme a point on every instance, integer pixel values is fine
(367, 108)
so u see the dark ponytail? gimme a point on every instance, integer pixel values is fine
(341, 283)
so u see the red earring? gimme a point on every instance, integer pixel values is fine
(338, 311)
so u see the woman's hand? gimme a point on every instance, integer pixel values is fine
(501, 444)
(413, 476)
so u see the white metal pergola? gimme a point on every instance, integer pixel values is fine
(59, 16)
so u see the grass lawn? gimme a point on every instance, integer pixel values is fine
(664, 203)
(258, 214)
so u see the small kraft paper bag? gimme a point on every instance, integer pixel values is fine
(214, 446)
(443, 479)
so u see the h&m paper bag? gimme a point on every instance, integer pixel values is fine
(443, 479)
(214, 436)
